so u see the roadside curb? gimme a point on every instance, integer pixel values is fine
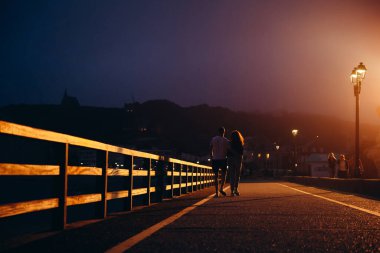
(368, 187)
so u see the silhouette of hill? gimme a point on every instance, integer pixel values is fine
(164, 125)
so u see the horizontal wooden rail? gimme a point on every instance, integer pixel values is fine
(27, 207)
(140, 173)
(84, 171)
(118, 172)
(117, 194)
(139, 191)
(83, 199)
(8, 169)
(30, 132)
(173, 160)
(175, 173)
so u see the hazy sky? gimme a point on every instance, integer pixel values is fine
(246, 55)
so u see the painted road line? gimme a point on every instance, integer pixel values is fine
(127, 244)
(335, 201)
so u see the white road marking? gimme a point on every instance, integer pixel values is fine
(335, 201)
(127, 244)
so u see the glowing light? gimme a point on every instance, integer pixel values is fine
(268, 155)
(294, 132)
(353, 76)
(361, 70)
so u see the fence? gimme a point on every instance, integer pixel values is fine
(171, 176)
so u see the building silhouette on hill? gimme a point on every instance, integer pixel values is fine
(69, 101)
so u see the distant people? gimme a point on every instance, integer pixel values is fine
(235, 157)
(218, 152)
(332, 162)
(343, 167)
(353, 172)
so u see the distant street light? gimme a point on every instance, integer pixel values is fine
(294, 133)
(357, 76)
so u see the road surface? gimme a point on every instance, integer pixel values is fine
(267, 217)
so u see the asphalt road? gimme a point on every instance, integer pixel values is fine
(267, 217)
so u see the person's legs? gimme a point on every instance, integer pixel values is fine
(232, 173)
(237, 173)
(215, 168)
(223, 166)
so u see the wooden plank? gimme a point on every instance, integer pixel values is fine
(140, 173)
(173, 160)
(130, 187)
(83, 199)
(149, 179)
(10, 169)
(118, 172)
(27, 207)
(84, 171)
(103, 163)
(29, 132)
(60, 220)
(139, 191)
(117, 194)
(175, 173)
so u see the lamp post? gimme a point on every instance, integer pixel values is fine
(294, 133)
(357, 76)
(277, 159)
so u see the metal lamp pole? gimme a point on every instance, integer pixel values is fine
(277, 160)
(294, 133)
(357, 76)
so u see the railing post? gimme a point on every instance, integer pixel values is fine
(62, 205)
(203, 178)
(180, 180)
(149, 181)
(172, 181)
(102, 161)
(130, 190)
(197, 180)
(187, 178)
(192, 178)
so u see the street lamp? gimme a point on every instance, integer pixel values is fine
(294, 133)
(277, 159)
(357, 76)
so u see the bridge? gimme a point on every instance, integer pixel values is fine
(141, 202)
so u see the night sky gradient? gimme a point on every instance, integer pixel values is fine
(291, 55)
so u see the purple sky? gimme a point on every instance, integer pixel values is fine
(246, 55)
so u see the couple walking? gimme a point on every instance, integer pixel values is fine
(222, 149)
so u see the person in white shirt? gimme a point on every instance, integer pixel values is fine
(343, 169)
(218, 152)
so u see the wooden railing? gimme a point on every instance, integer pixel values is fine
(174, 176)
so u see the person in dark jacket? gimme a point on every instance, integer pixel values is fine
(235, 158)
(332, 162)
